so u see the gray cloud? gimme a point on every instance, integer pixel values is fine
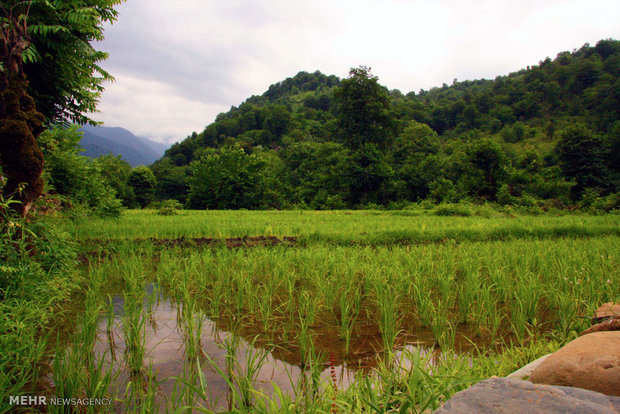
(180, 62)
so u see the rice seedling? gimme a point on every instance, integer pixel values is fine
(444, 331)
(387, 303)
(192, 322)
(510, 282)
(133, 328)
(349, 305)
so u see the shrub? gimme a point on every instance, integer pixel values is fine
(453, 210)
(169, 207)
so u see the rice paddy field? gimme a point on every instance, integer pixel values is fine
(326, 312)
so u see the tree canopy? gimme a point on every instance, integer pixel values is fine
(46, 43)
(352, 142)
(52, 44)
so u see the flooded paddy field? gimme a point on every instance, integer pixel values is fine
(294, 323)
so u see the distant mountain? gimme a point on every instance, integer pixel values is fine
(100, 140)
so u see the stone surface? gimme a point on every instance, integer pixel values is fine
(605, 311)
(591, 362)
(526, 371)
(513, 396)
(612, 324)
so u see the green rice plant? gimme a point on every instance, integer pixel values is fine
(518, 318)
(338, 228)
(141, 393)
(192, 322)
(501, 275)
(423, 303)
(265, 308)
(349, 305)
(246, 373)
(489, 317)
(468, 296)
(566, 310)
(239, 375)
(307, 312)
(134, 332)
(389, 320)
(277, 402)
(444, 331)
(75, 378)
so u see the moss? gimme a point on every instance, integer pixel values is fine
(20, 156)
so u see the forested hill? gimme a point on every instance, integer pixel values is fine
(536, 134)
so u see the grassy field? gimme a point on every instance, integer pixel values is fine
(342, 227)
(411, 306)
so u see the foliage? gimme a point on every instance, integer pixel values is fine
(115, 172)
(169, 207)
(48, 44)
(477, 140)
(363, 110)
(143, 183)
(61, 64)
(582, 156)
(171, 180)
(317, 173)
(227, 179)
(35, 280)
(80, 180)
(20, 157)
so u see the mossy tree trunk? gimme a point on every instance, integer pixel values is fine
(20, 122)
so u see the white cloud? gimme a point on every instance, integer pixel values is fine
(152, 109)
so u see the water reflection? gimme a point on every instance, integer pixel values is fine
(165, 340)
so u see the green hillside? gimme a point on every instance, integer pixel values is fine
(545, 135)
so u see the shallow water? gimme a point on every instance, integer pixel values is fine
(165, 357)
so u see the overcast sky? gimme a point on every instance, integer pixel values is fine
(178, 63)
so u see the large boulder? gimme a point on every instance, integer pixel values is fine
(591, 361)
(526, 371)
(510, 395)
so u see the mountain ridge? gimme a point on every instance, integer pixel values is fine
(102, 140)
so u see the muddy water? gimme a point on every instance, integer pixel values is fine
(165, 358)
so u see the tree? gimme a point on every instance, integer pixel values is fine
(582, 155)
(143, 182)
(77, 178)
(171, 180)
(316, 172)
(115, 172)
(228, 179)
(416, 139)
(369, 173)
(363, 112)
(47, 43)
(484, 169)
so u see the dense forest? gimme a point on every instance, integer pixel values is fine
(545, 136)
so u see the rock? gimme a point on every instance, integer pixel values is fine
(606, 310)
(526, 371)
(590, 361)
(510, 395)
(612, 324)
